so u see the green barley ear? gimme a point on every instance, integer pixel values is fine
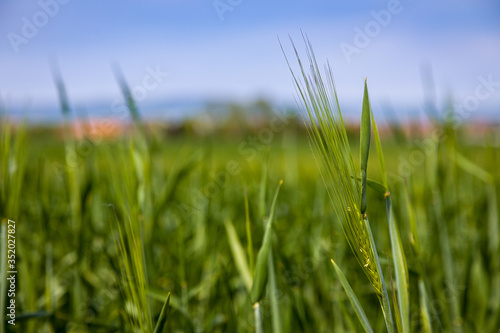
(133, 274)
(325, 126)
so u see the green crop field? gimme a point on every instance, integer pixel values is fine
(285, 223)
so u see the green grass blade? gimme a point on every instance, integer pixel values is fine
(358, 309)
(402, 308)
(263, 190)
(376, 186)
(493, 247)
(74, 183)
(397, 314)
(273, 293)
(365, 133)
(493, 229)
(385, 302)
(249, 234)
(414, 239)
(175, 178)
(127, 94)
(424, 308)
(174, 302)
(261, 267)
(61, 90)
(162, 320)
(5, 138)
(471, 167)
(379, 188)
(238, 255)
(366, 116)
(400, 268)
(494, 242)
(448, 262)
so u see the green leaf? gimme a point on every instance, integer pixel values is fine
(162, 320)
(376, 186)
(174, 302)
(448, 263)
(365, 133)
(358, 309)
(470, 167)
(400, 268)
(493, 239)
(261, 267)
(61, 90)
(273, 295)
(414, 240)
(263, 188)
(238, 255)
(386, 305)
(127, 94)
(249, 233)
(424, 308)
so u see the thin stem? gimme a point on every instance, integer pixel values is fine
(258, 318)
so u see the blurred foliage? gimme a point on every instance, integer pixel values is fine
(176, 192)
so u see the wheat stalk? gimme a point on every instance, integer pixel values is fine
(326, 129)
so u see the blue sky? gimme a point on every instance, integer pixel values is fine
(239, 57)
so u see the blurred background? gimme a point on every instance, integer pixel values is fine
(215, 52)
(178, 122)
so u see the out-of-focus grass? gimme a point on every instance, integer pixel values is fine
(107, 228)
(189, 255)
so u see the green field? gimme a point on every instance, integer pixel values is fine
(107, 228)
